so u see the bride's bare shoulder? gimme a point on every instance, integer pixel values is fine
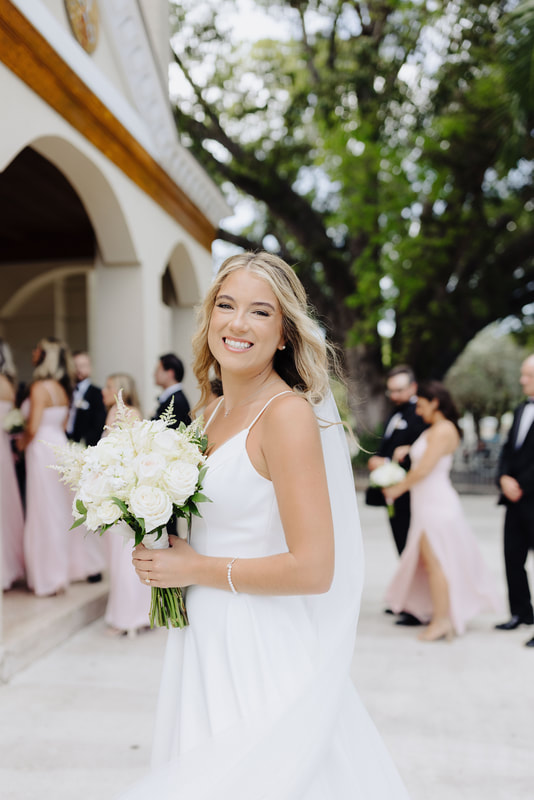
(290, 413)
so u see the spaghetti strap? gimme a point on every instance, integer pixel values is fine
(267, 404)
(213, 413)
(50, 394)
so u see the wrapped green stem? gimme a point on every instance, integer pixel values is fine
(167, 608)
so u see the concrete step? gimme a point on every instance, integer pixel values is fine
(32, 626)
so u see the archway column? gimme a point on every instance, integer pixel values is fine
(115, 315)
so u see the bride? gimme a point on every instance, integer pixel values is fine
(256, 701)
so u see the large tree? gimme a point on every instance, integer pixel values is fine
(379, 142)
(484, 379)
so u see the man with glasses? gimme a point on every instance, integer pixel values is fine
(402, 428)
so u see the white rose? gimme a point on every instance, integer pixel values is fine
(151, 504)
(180, 480)
(148, 467)
(166, 442)
(92, 522)
(95, 488)
(108, 512)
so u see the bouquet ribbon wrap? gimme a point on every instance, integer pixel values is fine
(167, 606)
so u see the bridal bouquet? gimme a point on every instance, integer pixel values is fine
(13, 422)
(387, 475)
(141, 473)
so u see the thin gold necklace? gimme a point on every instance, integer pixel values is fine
(249, 397)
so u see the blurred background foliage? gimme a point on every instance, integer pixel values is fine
(386, 150)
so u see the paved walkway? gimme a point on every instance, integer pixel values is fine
(457, 717)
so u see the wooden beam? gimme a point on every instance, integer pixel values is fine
(28, 55)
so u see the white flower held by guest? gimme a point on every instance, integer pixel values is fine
(13, 421)
(387, 475)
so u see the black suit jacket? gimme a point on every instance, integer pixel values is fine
(180, 408)
(519, 464)
(407, 430)
(90, 417)
(409, 427)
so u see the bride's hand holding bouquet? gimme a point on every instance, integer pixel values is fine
(177, 565)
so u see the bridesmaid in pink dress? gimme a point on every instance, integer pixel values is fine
(129, 600)
(441, 577)
(12, 519)
(48, 501)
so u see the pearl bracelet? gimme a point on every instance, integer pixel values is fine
(229, 575)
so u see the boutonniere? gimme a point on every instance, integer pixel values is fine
(401, 424)
(81, 404)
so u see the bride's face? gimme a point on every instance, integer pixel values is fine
(246, 324)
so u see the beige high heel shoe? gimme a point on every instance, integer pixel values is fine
(438, 629)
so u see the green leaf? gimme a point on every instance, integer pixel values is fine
(198, 497)
(81, 508)
(122, 505)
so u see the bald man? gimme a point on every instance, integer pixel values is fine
(516, 481)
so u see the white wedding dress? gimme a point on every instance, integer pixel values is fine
(256, 701)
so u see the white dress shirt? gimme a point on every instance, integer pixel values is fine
(76, 402)
(527, 418)
(166, 393)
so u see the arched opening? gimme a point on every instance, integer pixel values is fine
(60, 218)
(180, 293)
(47, 246)
(180, 273)
(101, 205)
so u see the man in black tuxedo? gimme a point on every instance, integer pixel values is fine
(87, 414)
(515, 479)
(85, 423)
(168, 375)
(402, 427)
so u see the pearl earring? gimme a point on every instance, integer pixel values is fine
(283, 347)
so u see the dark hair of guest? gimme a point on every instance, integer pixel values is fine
(171, 361)
(434, 390)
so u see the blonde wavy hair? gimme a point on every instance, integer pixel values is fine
(7, 365)
(121, 380)
(305, 362)
(56, 363)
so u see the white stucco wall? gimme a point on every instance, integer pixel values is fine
(129, 327)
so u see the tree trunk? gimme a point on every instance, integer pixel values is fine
(365, 383)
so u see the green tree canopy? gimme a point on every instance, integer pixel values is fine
(484, 379)
(387, 151)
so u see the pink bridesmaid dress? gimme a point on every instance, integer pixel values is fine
(129, 600)
(48, 507)
(12, 519)
(86, 553)
(128, 603)
(55, 555)
(437, 512)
